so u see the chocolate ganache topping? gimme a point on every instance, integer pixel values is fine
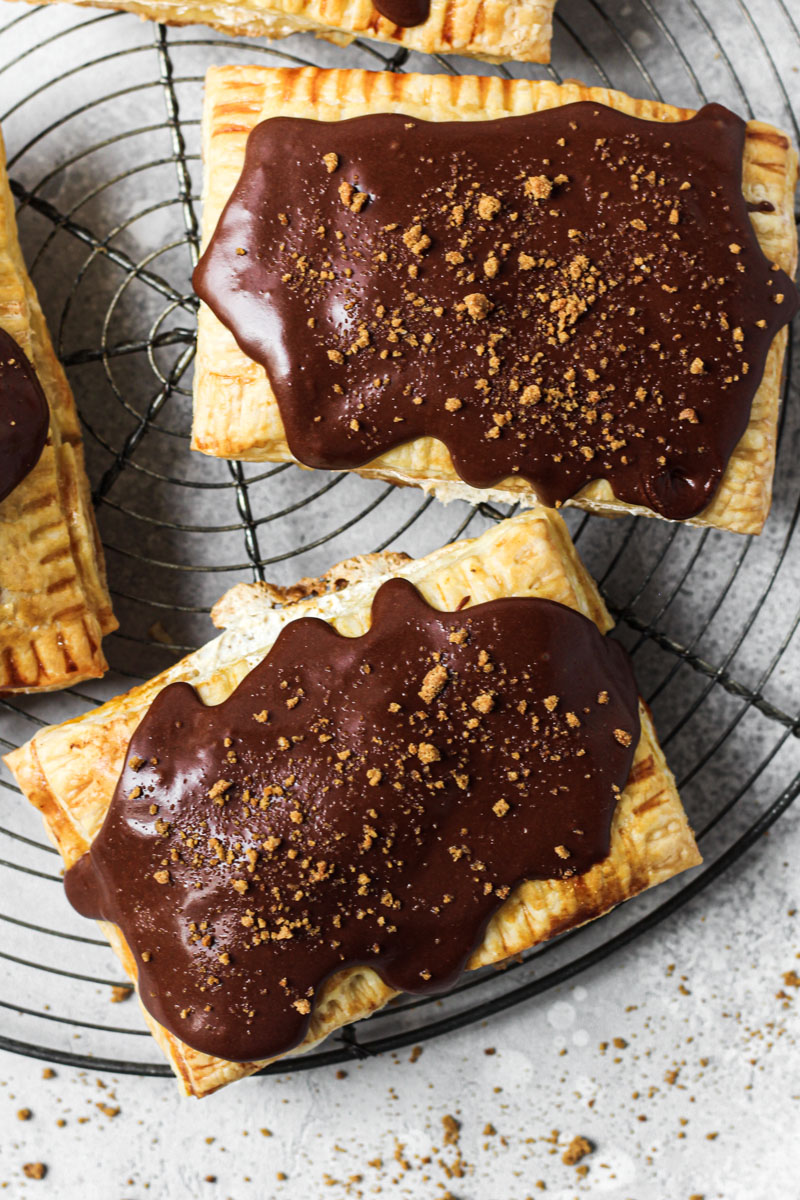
(405, 13)
(24, 416)
(565, 296)
(368, 800)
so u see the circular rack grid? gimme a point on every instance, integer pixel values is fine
(101, 117)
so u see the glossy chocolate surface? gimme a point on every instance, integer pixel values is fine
(570, 295)
(24, 416)
(405, 13)
(366, 800)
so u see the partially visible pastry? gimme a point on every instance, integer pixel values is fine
(495, 288)
(492, 30)
(421, 766)
(54, 602)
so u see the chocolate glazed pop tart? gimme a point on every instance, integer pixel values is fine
(585, 303)
(54, 603)
(493, 30)
(366, 785)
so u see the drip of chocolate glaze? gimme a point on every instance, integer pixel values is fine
(570, 295)
(24, 416)
(405, 13)
(368, 800)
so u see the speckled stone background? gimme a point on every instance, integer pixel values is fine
(676, 1056)
(699, 1097)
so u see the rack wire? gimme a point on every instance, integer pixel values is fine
(101, 118)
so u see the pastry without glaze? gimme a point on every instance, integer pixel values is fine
(368, 800)
(24, 416)
(570, 295)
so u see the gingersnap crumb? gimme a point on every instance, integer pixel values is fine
(488, 207)
(433, 683)
(452, 1129)
(416, 239)
(477, 305)
(538, 187)
(578, 1148)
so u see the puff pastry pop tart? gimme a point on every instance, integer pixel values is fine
(364, 785)
(493, 30)
(499, 288)
(54, 603)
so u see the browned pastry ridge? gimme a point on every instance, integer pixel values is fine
(54, 601)
(236, 410)
(492, 30)
(69, 772)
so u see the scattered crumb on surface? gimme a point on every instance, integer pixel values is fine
(578, 1148)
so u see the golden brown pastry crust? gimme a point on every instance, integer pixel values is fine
(235, 412)
(54, 603)
(492, 30)
(69, 771)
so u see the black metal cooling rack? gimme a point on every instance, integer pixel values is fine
(101, 118)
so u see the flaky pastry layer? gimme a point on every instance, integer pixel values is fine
(235, 411)
(54, 602)
(493, 30)
(69, 771)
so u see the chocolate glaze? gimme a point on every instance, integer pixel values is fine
(405, 13)
(357, 800)
(630, 308)
(24, 416)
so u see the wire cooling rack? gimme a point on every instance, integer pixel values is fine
(101, 117)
